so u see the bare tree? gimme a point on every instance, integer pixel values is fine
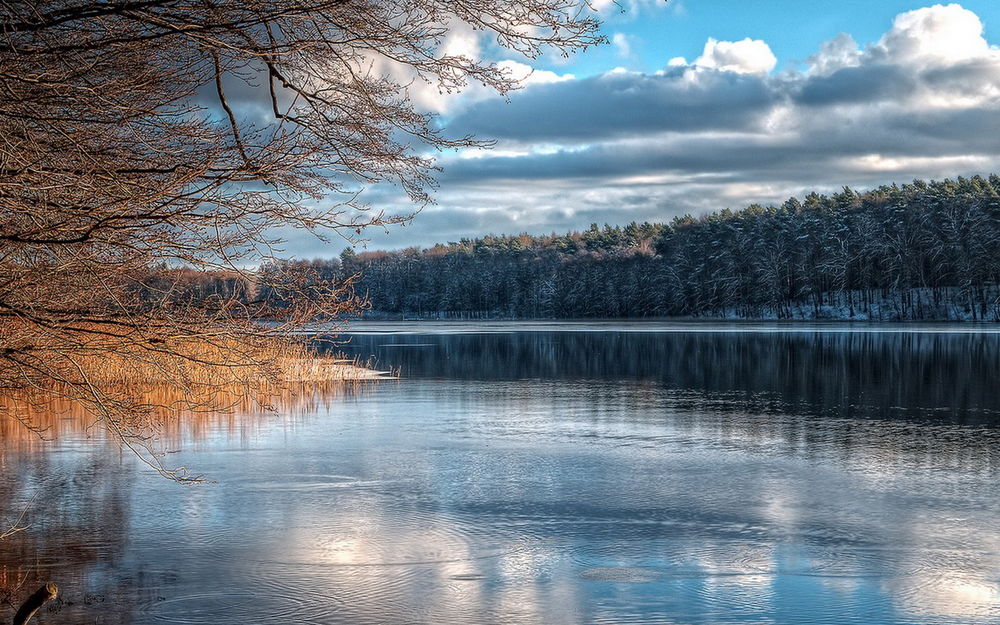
(142, 137)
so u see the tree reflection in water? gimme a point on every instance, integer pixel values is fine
(548, 478)
(938, 376)
(72, 490)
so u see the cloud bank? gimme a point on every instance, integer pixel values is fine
(725, 129)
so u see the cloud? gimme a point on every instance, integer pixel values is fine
(622, 44)
(938, 34)
(724, 130)
(749, 56)
(932, 57)
(840, 52)
(460, 40)
(527, 75)
(631, 9)
(621, 103)
(867, 84)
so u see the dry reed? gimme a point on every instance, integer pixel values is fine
(143, 397)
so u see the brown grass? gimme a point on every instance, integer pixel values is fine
(195, 363)
(234, 411)
(143, 398)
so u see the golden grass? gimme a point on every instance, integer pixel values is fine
(154, 395)
(318, 369)
(35, 420)
(194, 363)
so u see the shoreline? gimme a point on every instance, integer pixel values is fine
(444, 318)
(308, 370)
(668, 325)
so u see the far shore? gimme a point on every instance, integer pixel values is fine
(665, 325)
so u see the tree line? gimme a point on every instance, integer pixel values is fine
(925, 250)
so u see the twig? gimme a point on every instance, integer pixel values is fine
(16, 526)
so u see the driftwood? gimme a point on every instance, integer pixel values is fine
(43, 595)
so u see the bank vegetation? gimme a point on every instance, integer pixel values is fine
(148, 143)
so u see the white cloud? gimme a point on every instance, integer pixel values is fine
(840, 52)
(932, 37)
(937, 34)
(749, 56)
(622, 44)
(462, 40)
(630, 9)
(931, 58)
(527, 75)
(877, 162)
(603, 6)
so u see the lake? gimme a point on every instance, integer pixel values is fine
(550, 473)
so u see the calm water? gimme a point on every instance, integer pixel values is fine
(558, 475)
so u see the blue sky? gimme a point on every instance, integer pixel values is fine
(702, 105)
(792, 28)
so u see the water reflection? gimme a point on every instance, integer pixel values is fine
(516, 479)
(919, 374)
(71, 490)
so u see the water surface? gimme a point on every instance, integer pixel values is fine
(554, 475)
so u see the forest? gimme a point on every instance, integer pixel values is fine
(925, 250)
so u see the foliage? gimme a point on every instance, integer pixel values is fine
(145, 141)
(920, 250)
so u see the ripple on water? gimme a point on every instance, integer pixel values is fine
(375, 571)
(947, 583)
(414, 538)
(467, 577)
(306, 483)
(361, 595)
(681, 558)
(243, 606)
(733, 558)
(621, 574)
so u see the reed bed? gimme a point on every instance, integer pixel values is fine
(194, 363)
(148, 396)
(50, 418)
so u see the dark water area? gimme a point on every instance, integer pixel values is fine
(562, 474)
(832, 371)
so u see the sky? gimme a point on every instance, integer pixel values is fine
(700, 105)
